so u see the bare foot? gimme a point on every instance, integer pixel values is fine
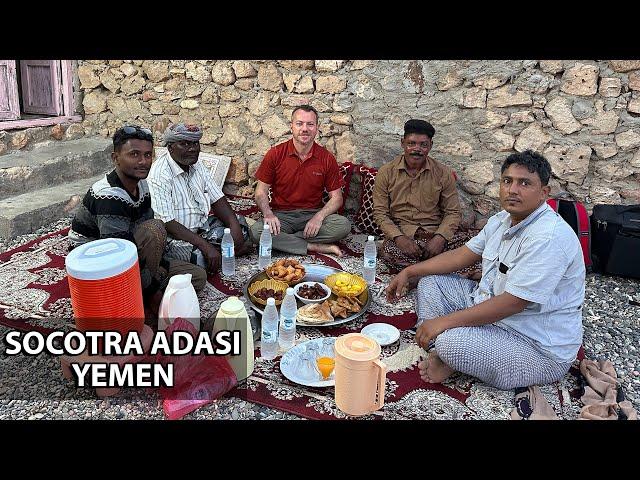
(324, 248)
(433, 370)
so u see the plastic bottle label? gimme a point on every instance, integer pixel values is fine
(370, 262)
(228, 251)
(267, 336)
(288, 323)
(265, 251)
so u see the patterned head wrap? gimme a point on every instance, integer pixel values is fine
(180, 131)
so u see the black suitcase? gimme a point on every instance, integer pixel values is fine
(615, 239)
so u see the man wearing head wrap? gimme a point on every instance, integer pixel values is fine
(183, 193)
(298, 172)
(416, 203)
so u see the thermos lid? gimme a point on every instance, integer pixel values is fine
(180, 281)
(101, 259)
(232, 305)
(358, 347)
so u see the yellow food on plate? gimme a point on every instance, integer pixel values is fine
(346, 284)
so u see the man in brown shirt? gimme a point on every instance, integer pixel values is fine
(415, 201)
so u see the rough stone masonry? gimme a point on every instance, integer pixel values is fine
(584, 116)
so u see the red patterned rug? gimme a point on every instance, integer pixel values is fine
(34, 295)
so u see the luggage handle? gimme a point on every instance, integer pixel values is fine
(631, 208)
(630, 230)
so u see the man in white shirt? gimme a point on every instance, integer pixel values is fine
(182, 195)
(522, 324)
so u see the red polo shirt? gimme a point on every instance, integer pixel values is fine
(298, 185)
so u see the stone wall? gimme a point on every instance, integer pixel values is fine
(584, 116)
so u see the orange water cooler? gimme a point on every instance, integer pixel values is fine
(104, 280)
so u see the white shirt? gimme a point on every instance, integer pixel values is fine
(545, 266)
(185, 197)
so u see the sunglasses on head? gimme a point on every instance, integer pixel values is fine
(131, 129)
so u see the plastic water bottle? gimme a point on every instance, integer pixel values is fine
(228, 253)
(369, 267)
(288, 311)
(269, 334)
(264, 255)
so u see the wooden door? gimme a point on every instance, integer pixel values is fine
(41, 89)
(9, 102)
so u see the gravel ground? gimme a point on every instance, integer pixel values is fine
(611, 331)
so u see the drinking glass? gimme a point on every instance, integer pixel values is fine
(325, 366)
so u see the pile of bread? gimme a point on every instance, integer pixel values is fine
(328, 311)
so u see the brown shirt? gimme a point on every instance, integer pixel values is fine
(402, 203)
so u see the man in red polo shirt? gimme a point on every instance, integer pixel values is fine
(298, 172)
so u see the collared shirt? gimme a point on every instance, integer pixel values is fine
(297, 184)
(402, 203)
(185, 197)
(542, 263)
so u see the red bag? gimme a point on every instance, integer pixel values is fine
(575, 214)
(197, 379)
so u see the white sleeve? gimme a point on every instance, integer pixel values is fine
(161, 197)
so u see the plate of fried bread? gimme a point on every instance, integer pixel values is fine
(286, 270)
(335, 310)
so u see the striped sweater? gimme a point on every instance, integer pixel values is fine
(109, 211)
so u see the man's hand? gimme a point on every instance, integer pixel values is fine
(398, 287)
(408, 246)
(436, 245)
(428, 330)
(312, 227)
(212, 257)
(273, 222)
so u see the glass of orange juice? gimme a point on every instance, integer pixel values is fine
(325, 366)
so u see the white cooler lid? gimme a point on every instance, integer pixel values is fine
(101, 259)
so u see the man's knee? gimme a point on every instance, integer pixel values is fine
(198, 278)
(198, 274)
(256, 230)
(340, 226)
(427, 283)
(434, 282)
(151, 232)
(451, 346)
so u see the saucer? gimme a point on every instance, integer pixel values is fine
(289, 361)
(383, 333)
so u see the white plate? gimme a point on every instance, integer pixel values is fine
(383, 333)
(288, 361)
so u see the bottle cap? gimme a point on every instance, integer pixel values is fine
(227, 230)
(371, 238)
(289, 291)
(271, 301)
(266, 227)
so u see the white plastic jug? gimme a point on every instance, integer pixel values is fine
(179, 300)
(232, 315)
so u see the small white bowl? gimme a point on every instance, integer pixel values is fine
(383, 333)
(307, 300)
